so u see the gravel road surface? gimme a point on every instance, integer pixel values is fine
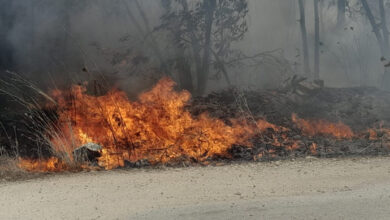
(301, 189)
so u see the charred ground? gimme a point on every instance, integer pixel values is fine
(358, 108)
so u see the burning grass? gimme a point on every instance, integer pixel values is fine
(10, 170)
(160, 128)
(52, 164)
(322, 127)
(156, 128)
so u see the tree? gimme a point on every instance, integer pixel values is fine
(302, 22)
(209, 10)
(316, 41)
(382, 35)
(375, 27)
(385, 32)
(383, 25)
(202, 34)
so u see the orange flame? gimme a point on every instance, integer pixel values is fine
(156, 128)
(379, 134)
(322, 127)
(50, 165)
(159, 129)
(372, 134)
(313, 148)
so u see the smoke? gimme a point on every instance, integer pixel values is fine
(350, 55)
(47, 40)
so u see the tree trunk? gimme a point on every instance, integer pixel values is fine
(196, 49)
(316, 42)
(374, 26)
(181, 63)
(209, 6)
(184, 69)
(302, 22)
(341, 9)
(385, 31)
(222, 68)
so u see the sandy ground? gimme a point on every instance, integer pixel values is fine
(304, 189)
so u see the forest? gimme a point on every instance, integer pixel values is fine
(344, 43)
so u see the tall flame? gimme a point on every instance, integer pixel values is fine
(156, 128)
(159, 129)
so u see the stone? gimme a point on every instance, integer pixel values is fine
(87, 153)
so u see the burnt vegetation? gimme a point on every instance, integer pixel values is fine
(105, 84)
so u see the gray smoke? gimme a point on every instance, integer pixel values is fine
(55, 40)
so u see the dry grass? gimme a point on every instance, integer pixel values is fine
(30, 97)
(9, 170)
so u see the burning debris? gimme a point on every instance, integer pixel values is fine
(336, 122)
(156, 128)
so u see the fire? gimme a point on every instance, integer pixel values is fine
(379, 134)
(372, 134)
(159, 129)
(322, 127)
(156, 128)
(50, 165)
(313, 148)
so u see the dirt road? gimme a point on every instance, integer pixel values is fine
(304, 189)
